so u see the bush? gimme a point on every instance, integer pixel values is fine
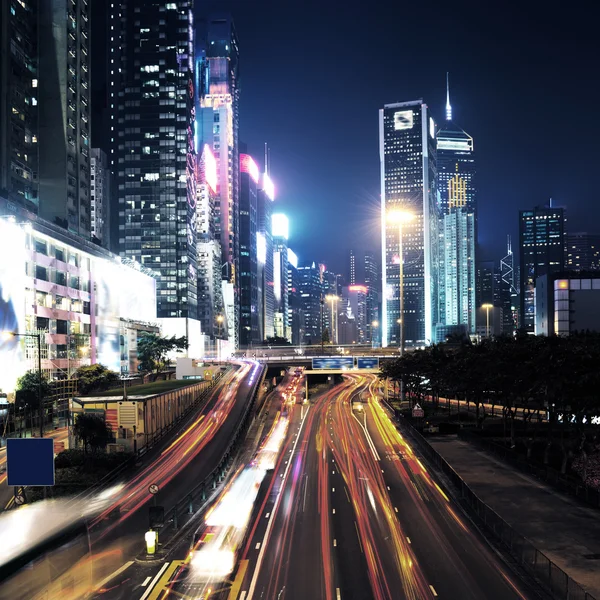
(69, 458)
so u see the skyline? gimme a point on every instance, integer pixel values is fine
(309, 169)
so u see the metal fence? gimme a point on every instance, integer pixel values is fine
(564, 483)
(535, 562)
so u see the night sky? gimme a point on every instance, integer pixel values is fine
(524, 83)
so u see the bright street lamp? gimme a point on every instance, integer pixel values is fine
(487, 307)
(400, 217)
(374, 325)
(12, 334)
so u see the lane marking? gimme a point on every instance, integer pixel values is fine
(237, 584)
(433, 590)
(146, 581)
(408, 540)
(347, 495)
(334, 511)
(115, 574)
(334, 542)
(338, 595)
(243, 595)
(267, 515)
(154, 581)
(389, 488)
(358, 536)
(257, 546)
(333, 489)
(396, 508)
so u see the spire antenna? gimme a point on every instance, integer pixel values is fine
(448, 107)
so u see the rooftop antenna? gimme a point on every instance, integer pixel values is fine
(266, 159)
(448, 107)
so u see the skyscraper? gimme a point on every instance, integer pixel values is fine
(248, 273)
(311, 293)
(217, 60)
(280, 231)
(541, 245)
(352, 268)
(19, 93)
(64, 114)
(264, 244)
(456, 174)
(408, 183)
(101, 190)
(583, 252)
(294, 305)
(372, 281)
(153, 148)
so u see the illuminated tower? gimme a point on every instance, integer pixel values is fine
(153, 154)
(280, 231)
(407, 154)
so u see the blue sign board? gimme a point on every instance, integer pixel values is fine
(367, 362)
(30, 461)
(333, 363)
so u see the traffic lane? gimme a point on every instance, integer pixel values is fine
(456, 562)
(136, 523)
(391, 565)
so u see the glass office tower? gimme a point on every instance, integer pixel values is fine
(407, 153)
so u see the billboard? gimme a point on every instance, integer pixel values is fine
(367, 362)
(12, 303)
(30, 461)
(343, 363)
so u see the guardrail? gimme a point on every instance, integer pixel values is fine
(533, 561)
(218, 474)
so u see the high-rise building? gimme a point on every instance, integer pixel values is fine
(19, 95)
(294, 305)
(217, 60)
(352, 268)
(541, 247)
(280, 231)
(248, 271)
(100, 195)
(211, 311)
(407, 150)
(355, 299)
(583, 252)
(456, 185)
(372, 281)
(64, 114)
(509, 279)
(264, 245)
(153, 152)
(312, 304)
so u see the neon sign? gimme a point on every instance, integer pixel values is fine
(247, 165)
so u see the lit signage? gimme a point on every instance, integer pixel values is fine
(280, 226)
(367, 362)
(12, 303)
(268, 187)
(261, 248)
(358, 288)
(334, 362)
(247, 165)
(403, 119)
(431, 127)
(460, 145)
(210, 168)
(292, 258)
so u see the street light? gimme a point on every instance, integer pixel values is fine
(374, 325)
(333, 298)
(220, 322)
(9, 334)
(400, 217)
(487, 307)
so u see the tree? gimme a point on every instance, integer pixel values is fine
(276, 341)
(153, 350)
(28, 388)
(92, 431)
(95, 378)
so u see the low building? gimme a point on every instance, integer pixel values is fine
(567, 302)
(78, 299)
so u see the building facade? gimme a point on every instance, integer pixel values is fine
(541, 245)
(264, 249)
(152, 95)
(295, 314)
(79, 298)
(19, 94)
(64, 114)
(280, 231)
(583, 252)
(217, 80)
(312, 304)
(407, 150)
(372, 281)
(100, 194)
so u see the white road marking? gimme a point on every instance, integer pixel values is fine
(334, 511)
(155, 581)
(433, 590)
(146, 581)
(333, 489)
(113, 575)
(335, 542)
(243, 595)
(257, 546)
(338, 595)
(408, 540)
(267, 515)
(396, 508)
(389, 488)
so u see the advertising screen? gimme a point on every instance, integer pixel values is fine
(333, 362)
(367, 362)
(12, 303)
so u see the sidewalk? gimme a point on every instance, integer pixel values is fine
(563, 529)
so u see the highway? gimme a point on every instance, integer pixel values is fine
(353, 513)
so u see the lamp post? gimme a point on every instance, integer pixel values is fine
(487, 307)
(220, 322)
(399, 218)
(333, 298)
(9, 334)
(322, 322)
